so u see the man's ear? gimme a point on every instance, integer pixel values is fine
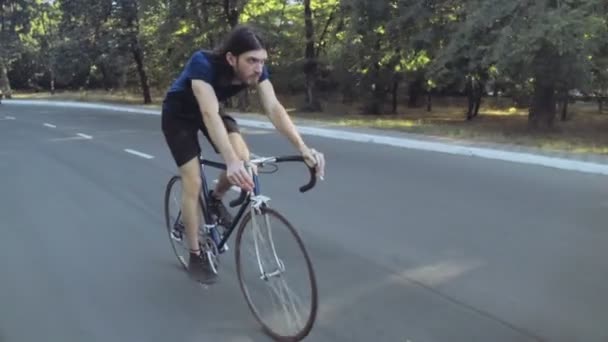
(231, 59)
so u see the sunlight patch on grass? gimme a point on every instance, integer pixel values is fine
(504, 112)
(574, 147)
(380, 123)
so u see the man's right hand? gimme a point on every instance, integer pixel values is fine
(238, 175)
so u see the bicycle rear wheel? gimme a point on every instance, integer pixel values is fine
(265, 242)
(174, 222)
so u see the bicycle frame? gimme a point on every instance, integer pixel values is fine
(245, 198)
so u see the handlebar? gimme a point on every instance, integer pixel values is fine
(313, 179)
(311, 183)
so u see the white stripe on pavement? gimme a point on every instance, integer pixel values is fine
(49, 125)
(139, 154)
(86, 136)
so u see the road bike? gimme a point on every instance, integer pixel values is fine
(269, 270)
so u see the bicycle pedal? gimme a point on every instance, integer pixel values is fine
(176, 235)
(225, 248)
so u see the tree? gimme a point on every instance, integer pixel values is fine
(14, 22)
(129, 13)
(546, 43)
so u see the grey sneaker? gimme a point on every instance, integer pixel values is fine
(199, 268)
(218, 209)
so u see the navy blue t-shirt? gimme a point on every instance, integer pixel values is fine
(202, 66)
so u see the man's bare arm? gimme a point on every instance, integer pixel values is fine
(281, 120)
(207, 102)
(278, 115)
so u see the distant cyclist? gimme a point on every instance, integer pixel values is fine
(192, 104)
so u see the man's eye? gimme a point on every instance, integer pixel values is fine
(256, 61)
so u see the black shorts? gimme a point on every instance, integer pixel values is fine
(181, 133)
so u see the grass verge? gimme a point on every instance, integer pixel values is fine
(585, 132)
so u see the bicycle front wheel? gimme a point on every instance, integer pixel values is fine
(276, 275)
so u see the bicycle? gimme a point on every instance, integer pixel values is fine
(252, 208)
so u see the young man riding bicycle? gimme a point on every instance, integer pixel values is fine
(192, 104)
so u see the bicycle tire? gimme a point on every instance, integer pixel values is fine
(305, 331)
(169, 225)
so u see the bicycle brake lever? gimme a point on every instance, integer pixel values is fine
(240, 200)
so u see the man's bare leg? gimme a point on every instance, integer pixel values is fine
(191, 213)
(191, 180)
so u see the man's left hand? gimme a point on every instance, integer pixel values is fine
(314, 159)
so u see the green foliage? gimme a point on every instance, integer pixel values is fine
(14, 24)
(521, 40)
(364, 47)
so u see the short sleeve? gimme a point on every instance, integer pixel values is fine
(200, 68)
(265, 75)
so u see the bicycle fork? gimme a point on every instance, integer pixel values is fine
(256, 203)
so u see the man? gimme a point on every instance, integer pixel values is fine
(192, 103)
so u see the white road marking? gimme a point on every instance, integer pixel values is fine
(82, 135)
(49, 125)
(66, 139)
(9, 117)
(139, 154)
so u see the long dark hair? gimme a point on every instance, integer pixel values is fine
(241, 39)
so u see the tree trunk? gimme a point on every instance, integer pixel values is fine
(322, 40)
(429, 102)
(5, 83)
(543, 106)
(395, 92)
(132, 23)
(310, 66)
(52, 77)
(474, 90)
(563, 99)
(414, 91)
(376, 105)
(479, 95)
(138, 55)
(231, 13)
(542, 109)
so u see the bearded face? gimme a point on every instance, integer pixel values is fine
(248, 66)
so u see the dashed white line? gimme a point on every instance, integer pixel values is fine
(9, 117)
(84, 136)
(139, 154)
(49, 125)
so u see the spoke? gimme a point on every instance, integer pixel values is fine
(274, 252)
(284, 294)
(256, 232)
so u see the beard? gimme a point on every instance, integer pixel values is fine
(247, 78)
(251, 79)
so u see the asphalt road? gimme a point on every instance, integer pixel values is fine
(407, 245)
